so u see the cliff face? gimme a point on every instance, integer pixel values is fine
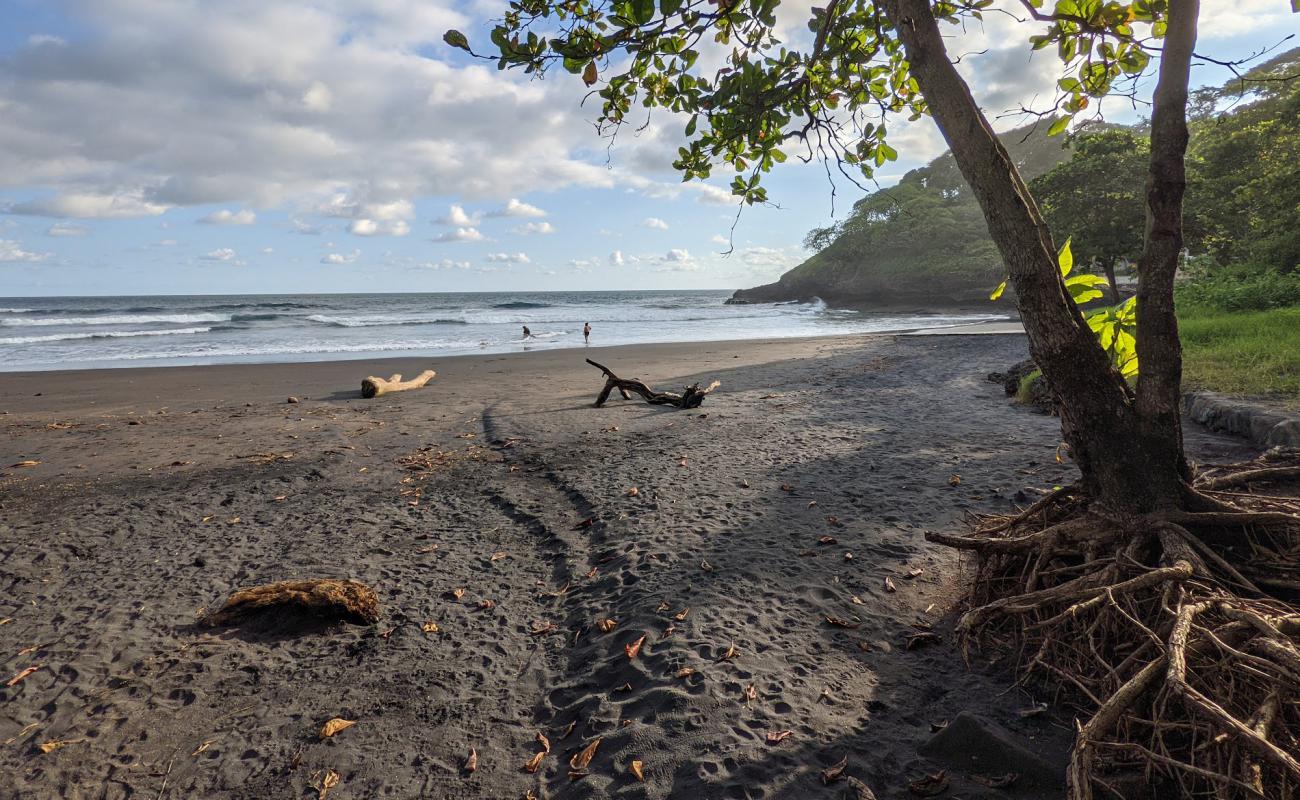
(922, 244)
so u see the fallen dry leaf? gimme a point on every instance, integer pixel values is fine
(543, 741)
(573, 723)
(457, 593)
(848, 555)
(915, 572)
(637, 770)
(6, 620)
(705, 565)
(996, 781)
(840, 622)
(546, 627)
(935, 727)
(731, 653)
(50, 747)
(828, 540)
(864, 646)
(889, 585)
(606, 625)
(744, 484)
(785, 487)
(921, 638)
(535, 762)
(338, 723)
(751, 693)
(1033, 710)
(857, 601)
(633, 492)
(487, 604)
(833, 773)
(812, 503)
(663, 606)
(586, 523)
(954, 480)
(15, 679)
(498, 555)
(429, 626)
(634, 648)
(776, 737)
(833, 521)
(203, 747)
(684, 672)
(680, 616)
(930, 785)
(862, 790)
(28, 463)
(471, 763)
(582, 759)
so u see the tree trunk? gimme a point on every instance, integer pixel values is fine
(1126, 464)
(1108, 267)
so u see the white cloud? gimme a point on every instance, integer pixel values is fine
(81, 205)
(461, 235)
(655, 223)
(67, 229)
(517, 208)
(509, 258)
(530, 228)
(228, 217)
(11, 251)
(457, 217)
(718, 238)
(220, 254)
(445, 263)
(616, 258)
(306, 228)
(268, 250)
(370, 227)
(340, 258)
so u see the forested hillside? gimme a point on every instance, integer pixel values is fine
(924, 243)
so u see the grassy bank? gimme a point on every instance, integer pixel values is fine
(1243, 352)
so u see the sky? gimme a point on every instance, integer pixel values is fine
(282, 146)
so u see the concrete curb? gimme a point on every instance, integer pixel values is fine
(1267, 427)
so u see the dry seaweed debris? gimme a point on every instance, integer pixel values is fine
(1177, 635)
(345, 600)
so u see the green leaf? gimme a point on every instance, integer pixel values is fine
(1059, 126)
(1065, 259)
(669, 7)
(1002, 287)
(590, 75)
(457, 40)
(643, 11)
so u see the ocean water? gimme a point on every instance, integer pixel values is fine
(83, 332)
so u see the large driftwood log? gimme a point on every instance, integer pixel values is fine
(691, 397)
(373, 387)
(335, 599)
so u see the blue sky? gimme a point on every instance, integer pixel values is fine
(215, 146)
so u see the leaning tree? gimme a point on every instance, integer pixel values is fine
(1155, 597)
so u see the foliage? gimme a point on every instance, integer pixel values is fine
(1097, 198)
(1241, 290)
(1116, 327)
(831, 98)
(1251, 353)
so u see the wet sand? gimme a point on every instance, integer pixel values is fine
(793, 495)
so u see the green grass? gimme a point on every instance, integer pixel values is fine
(1246, 353)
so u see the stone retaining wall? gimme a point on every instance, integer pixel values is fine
(1267, 427)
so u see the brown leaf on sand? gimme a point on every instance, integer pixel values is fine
(26, 464)
(606, 625)
(744, 484)
(487, 604)
(857, 601)
(828, 540)
(1032, 711)
(864, 646)
(915, 572)
(582, 759)
(840, 622)
(543, 741)
(456, 593)
(632, 492)
(889, 586)
(204, 746)
(335, 725)
(787, 488)
(833, 773)
(921, 638)
(573, 723)
(996, 781)
(680, 616)
(705, 565)
(471, 763)
(930, 785)
(751, 693)
(15, 679)
(634, 648)
(50, 747)
(637, 768)
(776, 737)
(498, 555)
(833, 521)
(535, 762)
(684, 672)
(848, 555)
(663, 606)
(429, 626)
(731, 653)
(954, 480)
(862, 790)
(542, 628)
(586, 523)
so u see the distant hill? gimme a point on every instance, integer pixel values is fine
(920, 244)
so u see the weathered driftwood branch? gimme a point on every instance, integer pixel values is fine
(337, 599)
(691, 397)
(373, 387)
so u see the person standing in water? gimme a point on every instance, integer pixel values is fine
(527, 333)
(586, 332)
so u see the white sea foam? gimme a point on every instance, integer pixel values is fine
(60, 337)
(117, 319)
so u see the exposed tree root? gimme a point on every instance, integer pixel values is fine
(1176, 634)
(691, 397)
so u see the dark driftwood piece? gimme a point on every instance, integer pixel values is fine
(691, 396)
(349, 601)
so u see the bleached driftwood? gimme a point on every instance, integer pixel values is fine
(337, 599)
(373, 387)
(691, 396)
